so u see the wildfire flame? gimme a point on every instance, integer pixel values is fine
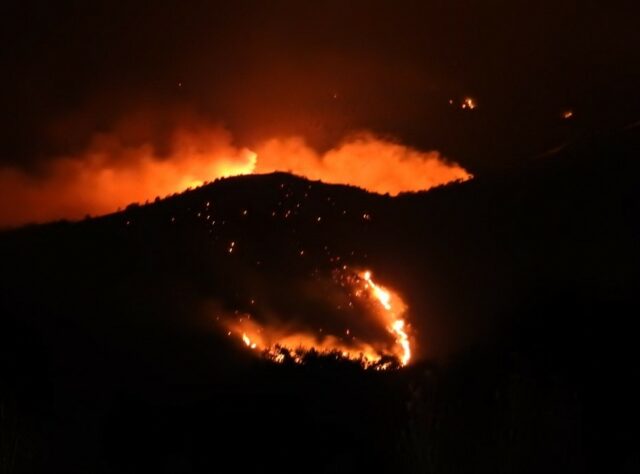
(248, 341)
(397, 326)
(278, 344)
(112, 173)
(469, 103)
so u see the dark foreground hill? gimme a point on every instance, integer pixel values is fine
(522, 290)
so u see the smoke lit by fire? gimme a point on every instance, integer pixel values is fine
(112, 173)
(366, 161)
(385, 307)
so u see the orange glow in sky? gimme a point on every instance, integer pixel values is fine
(110, 174)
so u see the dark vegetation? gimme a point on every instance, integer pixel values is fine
(523, 295)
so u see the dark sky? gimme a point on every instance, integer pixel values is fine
(320, 70)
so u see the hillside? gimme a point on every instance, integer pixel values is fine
(521, 289)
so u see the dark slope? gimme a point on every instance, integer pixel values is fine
(522, 288)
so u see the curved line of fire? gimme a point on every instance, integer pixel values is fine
(389, 308)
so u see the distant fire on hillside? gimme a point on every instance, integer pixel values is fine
(384, 307)
(112, 173)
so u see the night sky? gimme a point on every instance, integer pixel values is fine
(320, 71)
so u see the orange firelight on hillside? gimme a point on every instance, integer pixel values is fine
(112, 173)
(384, 307)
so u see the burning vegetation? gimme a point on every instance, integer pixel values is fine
(384, 306)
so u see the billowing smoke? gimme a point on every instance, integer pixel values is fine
(114, 171)
(111, 174)
(364, 160)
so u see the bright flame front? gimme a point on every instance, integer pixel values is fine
(384, 307)
(397, 324)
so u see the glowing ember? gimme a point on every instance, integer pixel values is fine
(469, 103)
(280, 344)
(248, 342)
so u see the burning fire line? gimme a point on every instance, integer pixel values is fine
(397, 325)
(388, 308)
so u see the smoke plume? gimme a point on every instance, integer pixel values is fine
(114, 171)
